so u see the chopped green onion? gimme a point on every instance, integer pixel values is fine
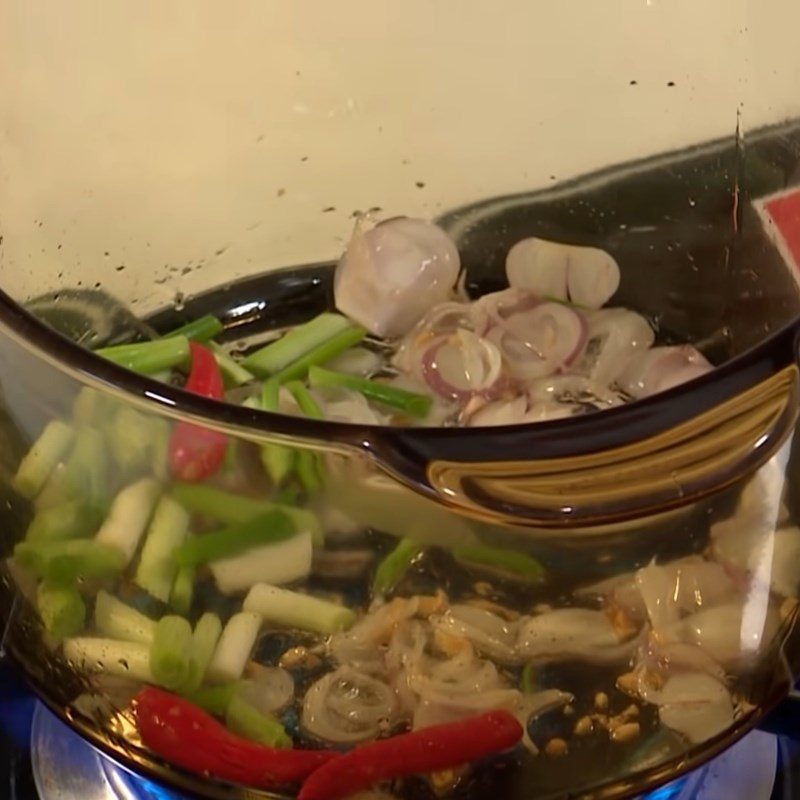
(117, 620)
(233, 372)
(86, 470)
(92, 407)
(25, 582)
(298, 341)
(416, 405)
(170, 653)
(54, 493)
(308, 465)
(270, 395)
(297, 610)
(272, 526)
(62, 609)
(180, 597)
(321, 354)
(243, 720)
(290, 496)
(34, 470)
(308, 471)
(70, 520)
(204, 643)
(131, 439)
(82, 559)
(202, 329)
(124, 659)
(519, 564)
(278, 459)
(149, 357)
(231, 509)
(308, 405)
(527, 681)
(157, 566)
(160, 448)
(83, 476)
(230, 461)
(214, 699)
(66, 561)
(128, 517)
(394, 566)
(234, 648)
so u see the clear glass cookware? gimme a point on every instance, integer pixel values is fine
(624, 582)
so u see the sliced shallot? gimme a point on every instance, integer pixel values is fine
(572, 389)
(537, 342)
(615, 336)
(683, 586)
(573, 633)
(440, 321)
(270, 689)
(501, 412)
(436, 708)
(359, 645)
(731, 633)
(348, 706)
(673, 657)
(663, 368)
(346, 405)
(496, 307)
(696, 705)
(490, 633)
(520, 410)
(460, 365)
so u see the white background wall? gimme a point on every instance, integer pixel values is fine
(162, 132)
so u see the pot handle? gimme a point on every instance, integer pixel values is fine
(630, 462)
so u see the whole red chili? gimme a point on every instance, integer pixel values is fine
(185, 735)
(196, 453)
(425, 750)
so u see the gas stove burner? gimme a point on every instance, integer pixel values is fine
(65, 767)
(747, 770)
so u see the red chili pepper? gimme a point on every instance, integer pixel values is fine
(426, 750)
(185, 735)
(196, 453)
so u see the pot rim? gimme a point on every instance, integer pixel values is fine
(561, 437)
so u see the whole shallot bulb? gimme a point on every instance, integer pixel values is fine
(391, 275)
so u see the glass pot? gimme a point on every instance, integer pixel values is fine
(162, 163)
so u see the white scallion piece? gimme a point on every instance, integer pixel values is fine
(157, 568)
(124, 659)
(205, 638)
(127, 520)
(117, 620)
(297, 610)
(233, 648)
(42, 458)
(278, 563)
